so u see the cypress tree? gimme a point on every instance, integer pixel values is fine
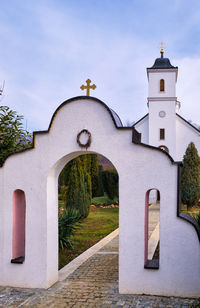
(78, 194)
(73, 187)
(100, 191)
(94, 174)
(190, 176)
(110, 183)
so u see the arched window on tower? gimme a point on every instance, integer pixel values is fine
(18, 236)
(162, 85)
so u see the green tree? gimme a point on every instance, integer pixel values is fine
(110, 183)
(100, 191)
(78, 195)
(190, 176)
(94, 173)
(13, 137)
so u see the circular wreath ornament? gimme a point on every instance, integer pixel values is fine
(84, 138)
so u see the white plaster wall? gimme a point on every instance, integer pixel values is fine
(184, 135)
(143, 128)
(35, 172)
(178, 240)
(139, 168)
(168, 123)
(154, 83)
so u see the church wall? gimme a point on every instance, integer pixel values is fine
(168, 123)
(154, 83)
(143, 128)
(184, 135)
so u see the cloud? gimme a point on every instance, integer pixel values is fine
(56, 48)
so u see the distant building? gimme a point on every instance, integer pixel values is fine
(163, 127)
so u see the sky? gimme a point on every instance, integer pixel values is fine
(49, 49)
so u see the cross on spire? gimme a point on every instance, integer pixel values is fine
(162, 46)
(88, 87)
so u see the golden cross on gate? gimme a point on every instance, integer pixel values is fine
(88, 87)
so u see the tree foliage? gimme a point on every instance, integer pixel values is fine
(190, 176)
(94, 173)
(13, 137)
(110, 183)
(79, 193)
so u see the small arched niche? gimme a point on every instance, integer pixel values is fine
(162, 85)
(152, 229)
(18, 234)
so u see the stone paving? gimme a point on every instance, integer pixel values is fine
(93, 284)
(154, 216)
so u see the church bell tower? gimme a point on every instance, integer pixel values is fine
(162, 103)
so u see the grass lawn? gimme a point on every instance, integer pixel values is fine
(99, 223)
(103, 199)
(191, 211)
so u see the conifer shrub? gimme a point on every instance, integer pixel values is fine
(190, 177)
(110, 183)
(79, 192)
(94, 173)
(197, 218)
(100, 190)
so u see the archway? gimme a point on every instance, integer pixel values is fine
(53, 200)
(88, 204)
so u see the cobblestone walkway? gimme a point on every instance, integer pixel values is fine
(93, 284)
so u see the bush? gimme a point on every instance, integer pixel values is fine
(68, 223)
(100, 190)
(13, 137)
(197, 218)
(190, 176)
(110, 183)
(79, 191)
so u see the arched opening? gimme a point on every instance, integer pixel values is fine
(152, 229)
(88, 198)
(18, 236)
(162, 85)
(55, 207)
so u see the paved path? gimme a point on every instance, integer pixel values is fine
(154, 216)
(93, 284)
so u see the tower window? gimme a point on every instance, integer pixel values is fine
(162, 85)
(162, 133)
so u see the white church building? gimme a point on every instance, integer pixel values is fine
(163, 127)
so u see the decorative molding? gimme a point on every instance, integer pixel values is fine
(161, 98)
(162, 70)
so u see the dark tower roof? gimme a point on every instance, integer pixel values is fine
(162, 63)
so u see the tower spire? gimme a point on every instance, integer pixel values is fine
(162, 46)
